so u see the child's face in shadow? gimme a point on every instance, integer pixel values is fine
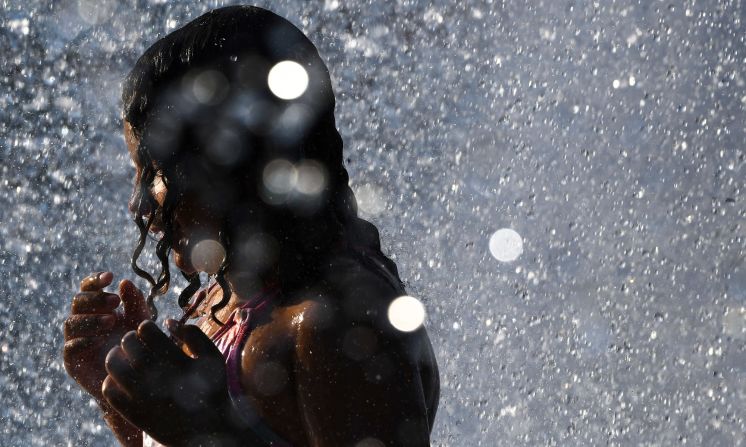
(192, 223)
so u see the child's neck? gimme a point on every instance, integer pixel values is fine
(247, 284)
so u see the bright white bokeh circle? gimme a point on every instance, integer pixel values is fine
(406, 313)
(506, 245)
(288, 80)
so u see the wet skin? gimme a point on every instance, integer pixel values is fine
(324, 368)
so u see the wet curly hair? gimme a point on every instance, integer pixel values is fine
(224, 57)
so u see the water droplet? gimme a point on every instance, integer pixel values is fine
(94, 12)
(279, 177)
(370, 442)
(207, 255)
(208, 87)
(369, 199)
(406, 313)
(506, 245)
(287, 80)
(311, 178)
(269, 378)
(734, 322)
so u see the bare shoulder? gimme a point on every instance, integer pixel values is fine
(347, 352)
(350, 316)
(350, 291)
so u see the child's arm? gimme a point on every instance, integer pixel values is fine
(344, 400)
(358, 377)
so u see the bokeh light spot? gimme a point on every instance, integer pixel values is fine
(257, 251)
(94, 12)
(506, 245)
(370, 442)
(406, 313)
(224, 147)
(369, 199)
(269, 378)
(288, 80)
(734, 322)
(291, 125)
(359, 343)
(207, 255)
(253, 112)
(311, 178)
(209, 87)
(279, 177)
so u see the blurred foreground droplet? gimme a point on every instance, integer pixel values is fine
(734, 322)
(94, 12)
(370, 442)
(207, 255)
(311, 178)
(279, 177)
(506, 245)
(369, 199)
(269, 378)
(287, 80)
(406, 313)
(208, 87)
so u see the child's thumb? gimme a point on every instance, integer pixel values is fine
(135, 307)
(198, 343)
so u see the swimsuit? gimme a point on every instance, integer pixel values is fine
(230, 339)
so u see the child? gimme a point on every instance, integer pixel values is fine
(239, 172)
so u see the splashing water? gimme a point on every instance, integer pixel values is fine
(609, 134)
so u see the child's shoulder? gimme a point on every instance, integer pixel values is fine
(353, 271)
(353, 291)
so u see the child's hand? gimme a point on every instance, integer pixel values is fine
(95, 325)
(173, 397)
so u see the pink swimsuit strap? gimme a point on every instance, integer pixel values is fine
(230, 339)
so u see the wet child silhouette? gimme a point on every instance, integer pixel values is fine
(229, 122)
